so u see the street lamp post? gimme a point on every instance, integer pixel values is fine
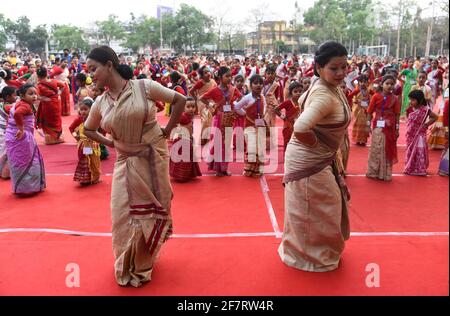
(430, 31)
(160, 32)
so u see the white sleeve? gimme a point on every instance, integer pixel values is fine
(239, 106)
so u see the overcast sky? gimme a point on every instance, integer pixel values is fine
(82, 12)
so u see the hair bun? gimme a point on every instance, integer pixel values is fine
(125, 71)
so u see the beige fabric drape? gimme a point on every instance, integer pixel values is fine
(378, 166)
(314, 231)
(141, 190)
(316, 220)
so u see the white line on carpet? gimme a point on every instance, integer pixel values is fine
(273, 218)
(224, 235)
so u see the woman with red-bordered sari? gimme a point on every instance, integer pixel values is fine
(49, 111)
(223, 97)
(61, 73)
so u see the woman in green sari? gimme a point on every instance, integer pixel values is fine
(410, 75)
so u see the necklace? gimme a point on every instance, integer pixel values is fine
(120, 94)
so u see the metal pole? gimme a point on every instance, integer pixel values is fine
(160, 31)
(430, 32)
(399, 28)
(389, 43)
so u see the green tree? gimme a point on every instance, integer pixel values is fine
(18, 31)
(192, 28)
(111, 29)
(37, 38)
(326, 20)
(3, 28)
(144, 32)
(67, 36)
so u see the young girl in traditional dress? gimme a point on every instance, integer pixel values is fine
(437, 139)
(182, 167)
(417, 114)
(83, 90)
(61, 73)
(9, 98)
(252, 107)
(88, 168)
(385, 131)
(272, 92)
(239, 121)
(49, 111)
(202, 86)
(24, 158)
(291, 110)
(421, 80)
(361, 100)
(222, 98)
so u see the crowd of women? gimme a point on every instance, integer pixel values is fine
(117, 99)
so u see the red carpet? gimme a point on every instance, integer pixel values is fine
(404, 205)
(208, 205)
(250, 266)
(212, 262)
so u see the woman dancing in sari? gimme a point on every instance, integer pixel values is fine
(24, 158)
(316, 223)
(141, 192)
(61, 73)
(49, 110)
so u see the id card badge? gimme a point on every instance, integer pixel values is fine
(260, 122)
(227, 108)
(381, 123)
(364, 104)
(87, 151)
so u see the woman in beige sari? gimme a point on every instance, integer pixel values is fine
(316, 222)
(141, 191)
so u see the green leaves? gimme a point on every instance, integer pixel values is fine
(19, 32)
(111, 29)
(67, 36)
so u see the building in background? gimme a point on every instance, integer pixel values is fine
(276, 37)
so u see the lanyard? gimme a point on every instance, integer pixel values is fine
(267, 90)
(382, 105)
(225, 94)
(258, 110)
